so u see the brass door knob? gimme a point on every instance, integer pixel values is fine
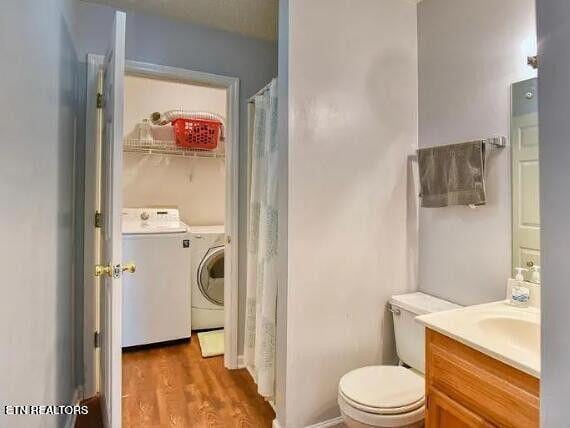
(129, 267)
(102, 270)
(114, 271)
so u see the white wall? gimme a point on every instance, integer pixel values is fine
(470, 52)
(195, 185)
(554, 111)
(39, 106)
(353, 122)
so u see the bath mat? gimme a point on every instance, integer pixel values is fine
(211, 343)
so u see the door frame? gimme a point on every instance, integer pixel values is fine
(91, 234)
(92, 201)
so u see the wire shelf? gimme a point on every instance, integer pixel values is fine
(168, 147)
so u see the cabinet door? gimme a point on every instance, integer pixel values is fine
(443, 412)
(493, 390)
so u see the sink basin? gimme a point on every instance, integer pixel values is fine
(518, 333)
(507, 333)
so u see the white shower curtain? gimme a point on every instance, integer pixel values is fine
(260, 322)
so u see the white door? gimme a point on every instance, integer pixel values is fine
(111, 206)
(526, 209)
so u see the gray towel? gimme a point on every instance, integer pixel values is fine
(452, 175)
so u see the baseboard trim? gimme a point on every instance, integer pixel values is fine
(251, 373)
(328, 423)
(242, 365)
(241, 362)
(70, 420)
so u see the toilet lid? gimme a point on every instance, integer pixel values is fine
(383, 389)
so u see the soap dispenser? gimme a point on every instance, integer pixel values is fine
(519, 294)
(520, 276)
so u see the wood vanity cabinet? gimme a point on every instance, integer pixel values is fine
(466, 388)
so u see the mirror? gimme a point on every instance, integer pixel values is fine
(524, 173)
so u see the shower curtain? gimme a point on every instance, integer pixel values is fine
(261, 317)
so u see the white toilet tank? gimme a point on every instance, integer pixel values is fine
(410, 335)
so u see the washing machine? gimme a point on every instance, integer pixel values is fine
(156, 298)
(207, 250)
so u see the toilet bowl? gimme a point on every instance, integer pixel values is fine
(382, 396)
(392, 396)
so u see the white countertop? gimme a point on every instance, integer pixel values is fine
(499, 330)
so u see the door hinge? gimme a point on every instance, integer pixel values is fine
(99, 100)
(96, 337)
(98, 219)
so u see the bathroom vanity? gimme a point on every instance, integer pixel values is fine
(482, 367)
(466, 388)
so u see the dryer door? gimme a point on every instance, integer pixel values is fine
(211, 276)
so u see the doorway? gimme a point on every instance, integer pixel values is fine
(225, 165)
(207, 173)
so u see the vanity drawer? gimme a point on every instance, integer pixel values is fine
(499, 393)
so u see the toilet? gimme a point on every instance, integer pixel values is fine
(393, 396)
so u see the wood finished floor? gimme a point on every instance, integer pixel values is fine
(173, 386)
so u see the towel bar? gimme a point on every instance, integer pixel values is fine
(496, 142)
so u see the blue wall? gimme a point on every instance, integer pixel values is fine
(39, 104)
(164, 41)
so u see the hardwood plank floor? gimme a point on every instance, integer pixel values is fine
(173, 386)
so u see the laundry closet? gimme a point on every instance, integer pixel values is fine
(174, 201)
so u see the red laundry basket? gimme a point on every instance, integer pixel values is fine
(201, 134)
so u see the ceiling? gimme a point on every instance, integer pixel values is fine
(253, 18)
